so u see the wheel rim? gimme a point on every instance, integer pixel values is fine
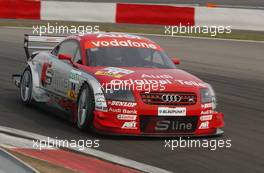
(25, 86)
(82, 108)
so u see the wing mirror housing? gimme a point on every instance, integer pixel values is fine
(65, 57)
(176, 61)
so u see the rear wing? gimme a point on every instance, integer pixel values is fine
(33, 42)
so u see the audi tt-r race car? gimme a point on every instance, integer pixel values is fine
(119, 84)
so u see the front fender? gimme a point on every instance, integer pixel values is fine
(81, 77)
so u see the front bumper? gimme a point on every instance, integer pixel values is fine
(107, 123)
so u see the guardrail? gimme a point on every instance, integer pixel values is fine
(157, 14)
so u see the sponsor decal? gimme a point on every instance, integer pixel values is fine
(129, 125)
(191, 99)
(191, 83)
(49, 76)
(166, 125)
(207, 112)
(129, 111)
(124, 104)
(207, 105)
(99, 101)
(126, 117)
(122, 111)
(128, 82)
(164, 76)
(118, 35)
(61, 84)
(204, 125)
(206, 117)
(46, 74)
(118, 110)
(114, 72)
(166, 111)
(72, 94)
(121, 43)
(101, 108)
(75, 76)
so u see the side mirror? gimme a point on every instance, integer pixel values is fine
(176, 61)
(65, 57)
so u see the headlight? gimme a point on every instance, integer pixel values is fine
(121, 95)
(208, 95)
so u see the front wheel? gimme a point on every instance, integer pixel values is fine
(26, 84)
(85, 108)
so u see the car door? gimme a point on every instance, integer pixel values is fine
(62, 69)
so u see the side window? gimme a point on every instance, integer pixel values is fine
(55, 50)
(146, 53)
(157, 59)
(77, 58)
(68, 47)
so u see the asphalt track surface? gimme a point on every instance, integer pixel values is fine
(235, 69)
(251, 3)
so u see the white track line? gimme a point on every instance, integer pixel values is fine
(19, 160)
(163, 35)
(89, 151)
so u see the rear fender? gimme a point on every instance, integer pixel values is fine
(38, 94)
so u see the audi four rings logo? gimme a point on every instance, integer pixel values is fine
(171, 98)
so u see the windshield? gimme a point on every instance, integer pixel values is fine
(128, 57)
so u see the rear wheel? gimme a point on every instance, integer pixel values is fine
(26, 84)
(85, 108)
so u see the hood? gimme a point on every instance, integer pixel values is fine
(167, 77)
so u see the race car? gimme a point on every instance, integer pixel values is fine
(117, 83)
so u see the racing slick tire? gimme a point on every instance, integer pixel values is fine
(26, 85)
(85, 108)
